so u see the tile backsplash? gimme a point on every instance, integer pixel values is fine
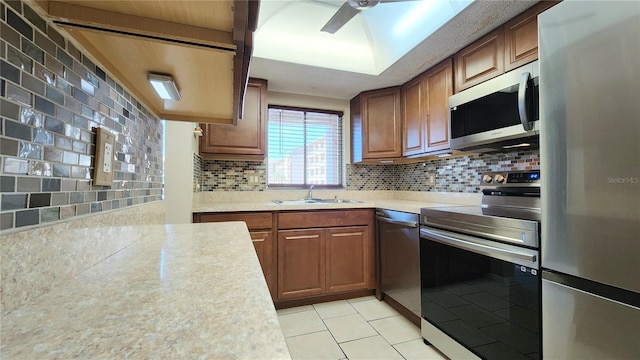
(462, 174)
(52, 96)
(457, 174)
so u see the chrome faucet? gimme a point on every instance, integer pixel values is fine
(310, 193)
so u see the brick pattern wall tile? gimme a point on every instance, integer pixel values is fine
(458, 174)
(52, 98)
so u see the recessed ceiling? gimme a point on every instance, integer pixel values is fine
(368, 55)
(369, 43)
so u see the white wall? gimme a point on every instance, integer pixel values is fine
(180, 144)
(315, 102)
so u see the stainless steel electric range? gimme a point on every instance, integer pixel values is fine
(480, 272)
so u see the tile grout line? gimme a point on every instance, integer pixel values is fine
(345, 342)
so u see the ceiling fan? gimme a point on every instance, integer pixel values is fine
(348, 10)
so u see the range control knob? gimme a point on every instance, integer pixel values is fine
(487, 179)
(499, 179)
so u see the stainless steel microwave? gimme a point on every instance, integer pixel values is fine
(501, 113)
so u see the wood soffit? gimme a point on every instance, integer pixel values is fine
(193, 41)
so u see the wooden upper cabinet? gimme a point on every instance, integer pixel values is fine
(521, 36)
(506, 48)
(414, 116)
(426, 111)
(247, 139)
(480, 61)
(439, 87)
(377, 126)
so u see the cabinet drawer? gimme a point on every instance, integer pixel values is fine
(319, 219)
(254, 220)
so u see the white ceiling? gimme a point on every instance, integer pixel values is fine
(292, 21)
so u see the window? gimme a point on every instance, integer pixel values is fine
(304, 147)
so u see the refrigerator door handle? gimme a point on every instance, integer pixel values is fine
(523, 109)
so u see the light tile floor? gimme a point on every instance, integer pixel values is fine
(361, 328)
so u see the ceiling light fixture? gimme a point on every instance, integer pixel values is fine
(165, 86)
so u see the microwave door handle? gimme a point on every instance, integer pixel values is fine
(522, 102)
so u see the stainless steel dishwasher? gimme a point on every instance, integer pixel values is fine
(399, 248)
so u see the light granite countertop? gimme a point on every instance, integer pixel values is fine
(407, 201)
(232, 206)
(182, 291)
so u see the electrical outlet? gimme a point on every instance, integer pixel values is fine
(432, 179)
(253, 179)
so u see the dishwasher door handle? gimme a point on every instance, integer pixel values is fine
(409, 224)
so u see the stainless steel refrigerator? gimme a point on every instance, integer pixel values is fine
(590, 161)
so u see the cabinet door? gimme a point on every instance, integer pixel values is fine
(480, 61)
(301, 263)
(349, 259)
(263, 243)
(439, 82)
(521, 36)
(414, 117)
(382, 127)
(248, 137)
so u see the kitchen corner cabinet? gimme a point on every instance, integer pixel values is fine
(247, 139)
(376, 125)
(261, 230)
(325, 252)
(426, 111)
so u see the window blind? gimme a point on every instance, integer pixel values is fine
(304, 147)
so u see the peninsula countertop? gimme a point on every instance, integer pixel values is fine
(183, 291)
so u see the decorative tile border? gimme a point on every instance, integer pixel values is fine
(51, 97)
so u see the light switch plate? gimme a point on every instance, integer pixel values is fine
(103, 166)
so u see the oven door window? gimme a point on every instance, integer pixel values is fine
(490, 306)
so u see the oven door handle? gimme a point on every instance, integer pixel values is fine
(487, 250)
(409, 224)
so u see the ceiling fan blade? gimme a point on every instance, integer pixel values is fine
(341, 17)
(389, 1)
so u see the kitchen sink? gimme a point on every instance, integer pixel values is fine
(316, 201)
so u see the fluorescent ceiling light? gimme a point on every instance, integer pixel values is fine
(165, 86)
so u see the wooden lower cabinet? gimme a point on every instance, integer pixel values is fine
(263, 242)
(308, 254)
(301, 263)
(260, 225)
(336, 256)
(348, 259)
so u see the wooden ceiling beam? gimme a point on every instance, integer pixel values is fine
(109, 20)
